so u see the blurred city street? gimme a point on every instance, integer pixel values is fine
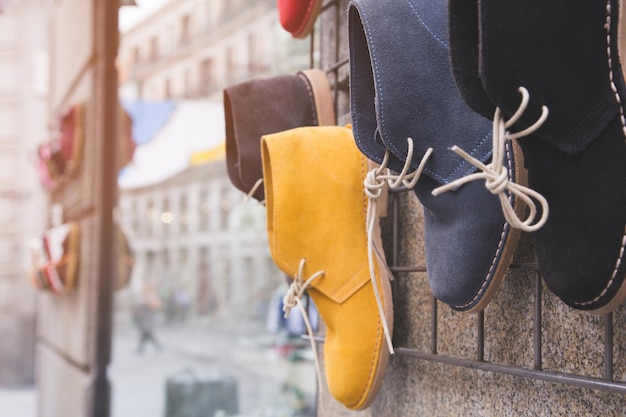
(271, 381)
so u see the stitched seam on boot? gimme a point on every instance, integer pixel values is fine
(613, 276)
(377, 81)
(373, 363)
(426, 26)
(470, 169)
(488, 137)
(311, 97)
(307, 16)
(497, 255)
(376, 353)
(377, 84)
(353, 105)
(622, 119)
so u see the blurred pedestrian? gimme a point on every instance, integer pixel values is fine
(182, 301)
(144, 314)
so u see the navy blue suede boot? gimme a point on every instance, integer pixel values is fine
(405, 107)
(564, 53)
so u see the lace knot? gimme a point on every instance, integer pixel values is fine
(296, 289)
(496, 182)
(293, 298)
(496, 175)
(374, 184)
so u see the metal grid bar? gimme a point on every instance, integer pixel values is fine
(606, 383)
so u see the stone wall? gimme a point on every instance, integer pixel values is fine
(572, 342)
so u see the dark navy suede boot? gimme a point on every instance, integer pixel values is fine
(404, 105)
(564, 53)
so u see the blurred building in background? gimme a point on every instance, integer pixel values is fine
(23, 120)
(190, 229)
(195, 48)
(193, 236)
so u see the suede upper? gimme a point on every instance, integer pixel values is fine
(557, 50)
(288, 222)
(464, 43)
(402, 86)
(316, 210)
(258, 107)
(565, 54)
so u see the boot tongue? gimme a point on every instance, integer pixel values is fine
(316, 207)
(414, 91)
(558, 51)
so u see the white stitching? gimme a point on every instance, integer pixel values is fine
(623, 120)
(311, 96)
(500, 247)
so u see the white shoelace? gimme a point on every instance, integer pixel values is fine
(375, 181)
(496, 175)
(255, 187)
(293, 298)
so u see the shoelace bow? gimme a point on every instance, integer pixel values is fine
(293, 298)
(375, 182)
(496, 175)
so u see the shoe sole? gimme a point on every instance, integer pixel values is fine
(322, 96)
(307, 28)
(620, 296)
(384, 281)
(510, 244)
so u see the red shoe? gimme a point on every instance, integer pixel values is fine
(298, 16)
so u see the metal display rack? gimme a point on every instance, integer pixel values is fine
(334, 60)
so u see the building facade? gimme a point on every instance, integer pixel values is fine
(193, 232)
(196, 48)
(23, 105)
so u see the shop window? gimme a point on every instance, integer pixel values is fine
(226, 206)
(167, 89)
(136, 55)
(185, 29)
(167, 218)
(154, 48)
(256, 52)
(151, 217)
(188, 84)
(205, 210)
(133, 218)
(207, 76)
(231, 65)
(183, 216)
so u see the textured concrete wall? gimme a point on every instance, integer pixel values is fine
(71, 333)
(572, 341)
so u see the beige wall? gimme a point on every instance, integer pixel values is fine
(572, 341)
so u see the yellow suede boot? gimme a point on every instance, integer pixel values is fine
(316, 220)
